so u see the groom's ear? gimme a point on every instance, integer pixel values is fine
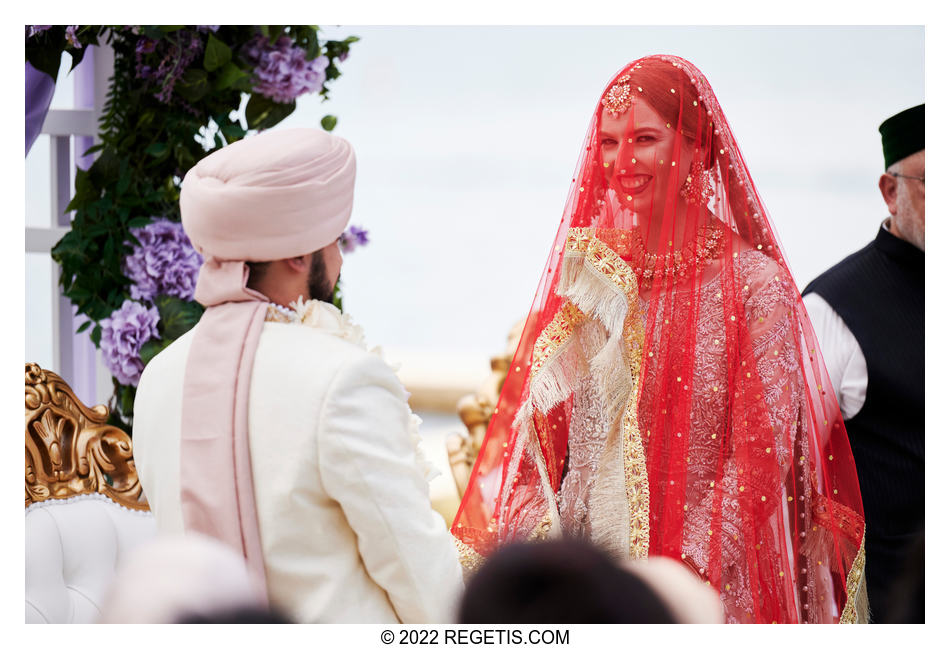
(299, 264)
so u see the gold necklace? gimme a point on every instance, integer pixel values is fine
(652, 266)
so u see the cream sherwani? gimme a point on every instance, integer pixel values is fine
(347, 531)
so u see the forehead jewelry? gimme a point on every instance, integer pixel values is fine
(618, 97)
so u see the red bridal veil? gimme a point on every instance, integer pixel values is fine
(668, 396)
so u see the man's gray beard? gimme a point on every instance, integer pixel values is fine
(911, 228)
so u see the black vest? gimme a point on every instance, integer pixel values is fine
(879, 293)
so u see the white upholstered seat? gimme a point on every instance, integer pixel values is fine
(72, 549)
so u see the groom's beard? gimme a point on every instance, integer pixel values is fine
(319, 285)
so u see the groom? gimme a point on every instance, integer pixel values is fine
(273, 429)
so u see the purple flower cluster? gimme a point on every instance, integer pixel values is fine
(282, 71)
(123, 334)
(163, 262)
(353, 238)
(178, 51)
(33, 30)
(71, 37)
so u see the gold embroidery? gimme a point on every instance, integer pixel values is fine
(554, 335)
(469, 559)
(543, 528)
(854, 612)
(604, 259)
(634, 458)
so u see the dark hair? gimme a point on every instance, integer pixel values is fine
(240, 615)
(256, 270)
(558, 582)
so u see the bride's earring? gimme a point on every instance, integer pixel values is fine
(697, 190)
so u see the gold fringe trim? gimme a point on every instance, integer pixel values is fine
(597, 283)
(856, 610)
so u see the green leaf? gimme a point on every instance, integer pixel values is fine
(228, 76)
(170, 28)
(263, 113)
(126, 394)
(193, 85)
(177, 316)
(157, 149)
(76, 55)
(151, 349)
(216, 54)
(45, 50)
(125, 178)
(104, 170)
(328, 122)
(139, 222)
(96, 334)
(84, 326)
(232, 131)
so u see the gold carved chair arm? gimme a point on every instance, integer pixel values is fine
(71, 450)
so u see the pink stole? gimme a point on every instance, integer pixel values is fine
(217, 485)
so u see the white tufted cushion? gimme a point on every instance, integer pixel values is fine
(72, 549)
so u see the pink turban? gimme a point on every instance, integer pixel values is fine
(272, 196)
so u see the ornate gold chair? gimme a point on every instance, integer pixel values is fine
(84, 504)
(475, 411)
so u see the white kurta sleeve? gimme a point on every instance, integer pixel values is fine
(842, 355)
(367, 463)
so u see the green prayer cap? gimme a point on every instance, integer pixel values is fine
(902, 134)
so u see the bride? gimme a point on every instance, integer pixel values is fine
(668, 396)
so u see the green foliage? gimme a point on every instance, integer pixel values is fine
(150, 134)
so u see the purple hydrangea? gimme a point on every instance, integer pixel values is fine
(71, 37)
(207, 28)
(163, 262)
(282, 71)
(123, 334)
(353, 238)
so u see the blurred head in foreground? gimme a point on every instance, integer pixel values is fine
(173, 578)
(572, 582)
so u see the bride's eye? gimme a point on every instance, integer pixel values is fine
(608, 141)
(645, 139)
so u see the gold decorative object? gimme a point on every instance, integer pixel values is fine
(476, 410)
(70, 450)
(618, 99)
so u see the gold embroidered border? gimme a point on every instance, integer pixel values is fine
(469, 559)
(850, 614)
(634, 457)
(603, 258)
(554, 335)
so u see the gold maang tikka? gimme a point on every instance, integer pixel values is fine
(618, 97)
